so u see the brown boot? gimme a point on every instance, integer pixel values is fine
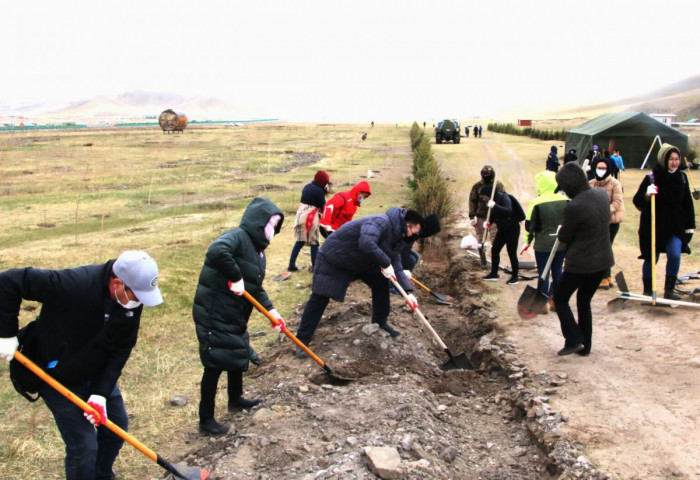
(551, 305)
(604, 284)
(545, 310)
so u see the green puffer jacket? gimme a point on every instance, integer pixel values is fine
(221, 318)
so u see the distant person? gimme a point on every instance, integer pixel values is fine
(544, 215)
(372, 124)
(306, 223)
(466, 130)
(364, 137)
(478, 208)
(504, 214)
(675, 217)
(570, 156)
(604, 179)
(480, 129)
(367, 249)
(619, 164)
(86, 330)
(423, 125)
(235, 262)
(476, 131)
(552, 163)
(611, 164)
(585, 231)
(342, 207)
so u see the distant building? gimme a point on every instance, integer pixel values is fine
(524, 123)
(666, 118)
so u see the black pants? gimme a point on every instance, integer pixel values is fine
(317, 305)
(585, 285)
(507, 235)
(210, 381)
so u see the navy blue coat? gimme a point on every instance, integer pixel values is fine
(313, 195)
(361, 246)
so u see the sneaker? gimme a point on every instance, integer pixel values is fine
(569, 350)
(389, 329)
(300, 353)
(292, 268)
(491, 277)
(243, 404)
(513, 280)
(212, 427)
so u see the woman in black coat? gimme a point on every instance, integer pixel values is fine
(675, 217)
(234, 262)
(504, 216)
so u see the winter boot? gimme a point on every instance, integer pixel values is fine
(647, 286)
(243, 403)
(212, 427)
(669, 286)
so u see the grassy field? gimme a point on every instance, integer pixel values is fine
(74, 198)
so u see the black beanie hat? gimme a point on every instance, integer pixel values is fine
(431, 226)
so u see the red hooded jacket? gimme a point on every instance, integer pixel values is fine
(342, 206)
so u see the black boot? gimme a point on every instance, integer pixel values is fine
(647, 286)
(212, 427)
(668, 289)
(243, 403)
(389, 329)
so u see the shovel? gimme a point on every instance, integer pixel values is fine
(180, 471)
(459, 361)
(696, 192)
(442, 299)
(338, 379)
(533, 300)
(625, 295)
(482, 247)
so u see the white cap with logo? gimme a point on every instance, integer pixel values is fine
(139, 272)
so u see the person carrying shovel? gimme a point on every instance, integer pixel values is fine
(235, 262)
(585, 231)
(87, 327)
(675, 217)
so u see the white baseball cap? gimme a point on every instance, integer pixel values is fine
(139, 272)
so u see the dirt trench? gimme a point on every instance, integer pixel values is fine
(490, 423)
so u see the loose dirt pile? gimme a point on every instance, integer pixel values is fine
(489, 423)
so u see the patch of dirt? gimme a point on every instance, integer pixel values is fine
(486, 423)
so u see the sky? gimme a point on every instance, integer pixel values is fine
(352, 59)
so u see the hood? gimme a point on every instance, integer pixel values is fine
(360, 187)
(546, 182)
(608, 167)
(431, 226)
(553, 149)
(665, 152)
(571, 179)
(254, 219)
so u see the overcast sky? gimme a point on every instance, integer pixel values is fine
(351, 59)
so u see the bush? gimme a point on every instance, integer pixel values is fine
(431, 193)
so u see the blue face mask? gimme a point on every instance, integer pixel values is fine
(361, 200)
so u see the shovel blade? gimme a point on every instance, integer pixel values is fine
(442, 299)
(457, 362)
(179, 471)
(531, 302)
(616, 304)
(621, 282)
(482, 256)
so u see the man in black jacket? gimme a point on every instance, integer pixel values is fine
(86, 329)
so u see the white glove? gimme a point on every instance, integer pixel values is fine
(652, 190)
(687, 230)
(408, 272)
(491, 204)
(586, 168)
(237, 287)
(8, 347)
(99, 403)
(412, 302)
(280, 326)
(327, 228)
(388, 272)
(486, 225)
(473, 221)
(524, 248)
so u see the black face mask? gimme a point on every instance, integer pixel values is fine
(488, 179)
(413, 237)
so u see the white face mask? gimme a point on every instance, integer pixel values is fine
(600, 173)
(130, 305)
(271, 225)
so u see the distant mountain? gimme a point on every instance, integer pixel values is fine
(135, 105)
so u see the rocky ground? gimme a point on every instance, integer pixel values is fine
(401, 416)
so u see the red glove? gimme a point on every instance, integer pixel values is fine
(99, 403)
(412, 302)
(280, 326)
(524, 248)
(486, 225)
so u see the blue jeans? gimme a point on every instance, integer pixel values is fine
(295, 253)
(555, 270)
(317, 304)
(673, 258)
(90, 452)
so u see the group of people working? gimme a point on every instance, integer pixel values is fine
(90, 315)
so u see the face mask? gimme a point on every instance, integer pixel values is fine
(130, 305)
(361, 200)
(270, 227)
(600, 173)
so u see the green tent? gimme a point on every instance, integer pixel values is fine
(631, 132)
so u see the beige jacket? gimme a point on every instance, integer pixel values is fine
(613, 187)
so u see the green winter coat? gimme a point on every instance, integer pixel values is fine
(545, 213)
(221, 318)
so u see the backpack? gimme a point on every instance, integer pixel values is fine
(518, 214)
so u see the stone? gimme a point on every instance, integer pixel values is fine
(178, 400)
(370, 329)
(385, 462)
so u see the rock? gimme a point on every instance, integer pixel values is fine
(352, 441)
(370, 329)
(385, 462)
(449, 454)
(407, 442)
(694, 362)
(178, 400)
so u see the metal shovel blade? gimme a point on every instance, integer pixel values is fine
(457, 362)
(179, 471)
(616, 304)
(531, 302)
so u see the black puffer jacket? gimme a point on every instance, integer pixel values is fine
(361, 246)
(89, 334)
(221, 318)
(585, 226)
